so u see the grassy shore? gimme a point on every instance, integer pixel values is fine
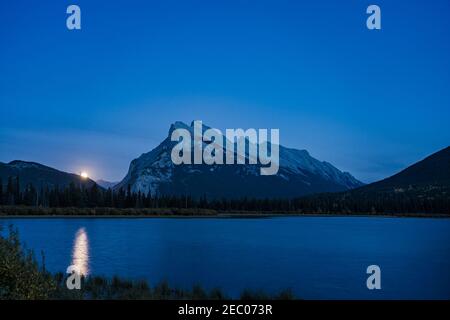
(117, 288)
(29, 211)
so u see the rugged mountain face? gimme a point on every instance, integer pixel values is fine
(39, 175)
(299, 174)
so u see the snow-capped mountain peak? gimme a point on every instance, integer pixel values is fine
(299, 174)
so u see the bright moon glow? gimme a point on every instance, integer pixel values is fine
(84, 175)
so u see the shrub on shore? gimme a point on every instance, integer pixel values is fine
(20, 275)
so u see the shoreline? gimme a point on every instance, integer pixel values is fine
(226, 216)
(135, 213)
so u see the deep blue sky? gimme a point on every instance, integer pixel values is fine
(369, 102)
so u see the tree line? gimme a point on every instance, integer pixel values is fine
(11, 194)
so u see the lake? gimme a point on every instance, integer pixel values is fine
(317, 257)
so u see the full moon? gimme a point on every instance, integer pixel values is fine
(84, 175)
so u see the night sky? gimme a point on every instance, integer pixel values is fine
(369, 102)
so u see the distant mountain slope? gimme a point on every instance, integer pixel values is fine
(106, 184)
(299, 174)
(423, 187)
(39, 175)
(434, 170)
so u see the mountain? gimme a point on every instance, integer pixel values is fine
(106, 184)
(299, 174)
(39, 175)
(428, 176)
(423, 187)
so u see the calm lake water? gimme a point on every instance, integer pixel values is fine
(317, 257)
